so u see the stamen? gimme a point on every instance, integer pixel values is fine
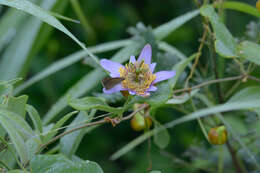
(138, 77)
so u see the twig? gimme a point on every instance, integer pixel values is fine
(211, 82)
(216, 81)
(87, 125)
(254, 78)
(198, 56)
(234, 158)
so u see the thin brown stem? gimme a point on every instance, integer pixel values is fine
(254, 78)
(90, 124)
(234, 158)
(203, 39)
(208, 83)
(216, 81)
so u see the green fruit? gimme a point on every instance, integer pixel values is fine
(218, 135)
(139, 123)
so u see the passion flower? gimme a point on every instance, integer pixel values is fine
(138, 77)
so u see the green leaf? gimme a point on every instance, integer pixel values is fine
(183, 98)
(246, 94)
(69, 143)
(69, 60)
(5, 90)
(17, 105)
(155, 172)
(88, 103)
(230, 106)
(170, 49)
(18, 122)
(249, 51)
(13, 61)
(10, 82)
(84, 85)
(9, 23)
(60, 164)
(15, 136)
(32, 147)
(162, 138)
(54, 130)
(35, 117)
(225, 44)
(45, 16)
(9, 156)
(17, 171)
(164, 30)
(242, 7)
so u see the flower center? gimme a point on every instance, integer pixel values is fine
(138, 77)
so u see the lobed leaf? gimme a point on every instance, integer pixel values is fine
(225, 44)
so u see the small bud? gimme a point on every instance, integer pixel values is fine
(258, 5)
(218, 135)
(138, 122)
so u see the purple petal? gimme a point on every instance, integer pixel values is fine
(116, 88)
(163, 75)
(112, 67)
(132, 59)
(146, 54)
(152, 67)
(132, 93)
(152, 88)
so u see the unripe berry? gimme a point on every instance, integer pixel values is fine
(258, 5)
(218, 135)
(138, 122)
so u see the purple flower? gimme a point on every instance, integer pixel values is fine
(138, 75)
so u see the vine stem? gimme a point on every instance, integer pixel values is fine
(217, 81)
(234, 158)
(221, 159)
(204, 36)
(90, 124)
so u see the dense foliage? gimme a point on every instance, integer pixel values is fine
(55, 117)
